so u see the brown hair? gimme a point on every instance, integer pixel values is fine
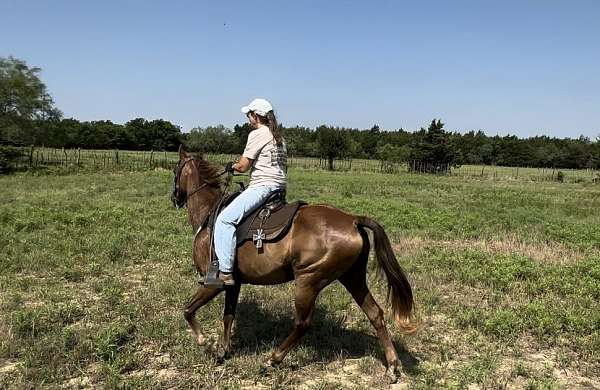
(271, 121)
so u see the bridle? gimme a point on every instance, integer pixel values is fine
(176, 192)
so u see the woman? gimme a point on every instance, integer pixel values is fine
(265, 154)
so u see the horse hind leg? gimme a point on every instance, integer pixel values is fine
(354, 280)
(202, 296)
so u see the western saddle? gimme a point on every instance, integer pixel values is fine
(268, 223)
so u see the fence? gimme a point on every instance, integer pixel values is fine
(75, 159)
(93, 159)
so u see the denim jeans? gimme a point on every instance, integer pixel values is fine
(227, 221)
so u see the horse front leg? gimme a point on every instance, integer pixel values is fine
(202, 296)
(306, 295)
(232, 295)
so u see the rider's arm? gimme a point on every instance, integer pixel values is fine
(243, 164)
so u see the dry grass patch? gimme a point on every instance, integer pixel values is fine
(551, 252)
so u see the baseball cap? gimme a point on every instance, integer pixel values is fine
(259, 106)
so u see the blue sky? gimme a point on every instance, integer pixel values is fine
(519, 67)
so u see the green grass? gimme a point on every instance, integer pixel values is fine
(95, 268)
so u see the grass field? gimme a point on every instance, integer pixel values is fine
(95, 268)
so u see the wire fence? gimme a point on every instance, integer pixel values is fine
(86, 159)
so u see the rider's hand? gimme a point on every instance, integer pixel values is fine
(229, 167)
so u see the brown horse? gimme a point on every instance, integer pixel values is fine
(324, 244)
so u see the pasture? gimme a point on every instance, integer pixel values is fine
(95, 268)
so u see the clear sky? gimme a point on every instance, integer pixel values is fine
(520, 67)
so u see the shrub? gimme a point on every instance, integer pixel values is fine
(8, 156)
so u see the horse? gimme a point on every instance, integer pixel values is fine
(323, 244)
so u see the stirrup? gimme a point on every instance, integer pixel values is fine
(211, 279)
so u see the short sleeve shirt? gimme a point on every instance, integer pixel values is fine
(270, 160)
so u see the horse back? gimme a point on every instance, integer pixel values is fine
(322, 240)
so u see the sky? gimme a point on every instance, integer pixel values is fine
(505, 67)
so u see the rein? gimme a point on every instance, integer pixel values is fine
(205, 183)
(195, 190)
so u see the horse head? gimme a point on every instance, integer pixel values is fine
(191, 175)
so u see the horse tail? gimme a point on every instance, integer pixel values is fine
(399, 292)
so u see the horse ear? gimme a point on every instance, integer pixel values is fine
(182, 153)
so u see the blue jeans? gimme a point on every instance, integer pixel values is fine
(227, 221)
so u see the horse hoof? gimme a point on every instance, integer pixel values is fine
(201, 340)
(272, 363)
(267, 368)
(222, 354)
(391, 375)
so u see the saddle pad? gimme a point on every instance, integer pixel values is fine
(275, 226)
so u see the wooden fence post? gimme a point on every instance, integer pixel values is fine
(31, 155)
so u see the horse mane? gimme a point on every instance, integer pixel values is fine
(207, 171)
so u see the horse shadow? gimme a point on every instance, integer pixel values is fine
(260, 330)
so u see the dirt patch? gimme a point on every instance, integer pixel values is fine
(80, 382)
(550, 252)
(162, 375)
(8, 366)
(568, 377)
(362, 373)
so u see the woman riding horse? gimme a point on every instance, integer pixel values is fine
(265, 153)
(323, 244)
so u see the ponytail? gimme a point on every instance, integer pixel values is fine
(274, 127)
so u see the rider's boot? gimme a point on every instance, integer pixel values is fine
(227, 278)
(212, 280)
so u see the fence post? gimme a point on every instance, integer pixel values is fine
(31, 155)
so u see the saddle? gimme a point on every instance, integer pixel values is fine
(268, 222)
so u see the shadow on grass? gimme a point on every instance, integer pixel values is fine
(260, 330)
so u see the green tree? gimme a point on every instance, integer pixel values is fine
(370, 140)
(212, 139)
(24, 100)
(164, 135)
(332, 143)
(596, 154)
(434, 149)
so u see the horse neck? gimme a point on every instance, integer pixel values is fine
(200, 204)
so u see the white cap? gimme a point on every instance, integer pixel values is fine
(259, 106)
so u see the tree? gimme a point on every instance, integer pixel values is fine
(434, 150)
(596, 154)
(332, 143)
(212, 139)
(24, 100)
(370, 139)
(164, 135)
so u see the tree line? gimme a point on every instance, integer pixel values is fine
(28, 117)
